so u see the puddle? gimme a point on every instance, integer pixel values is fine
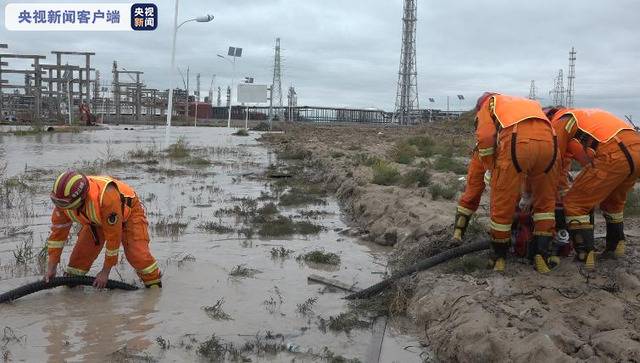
(82, 324)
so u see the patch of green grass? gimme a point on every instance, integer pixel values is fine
(447, 192)
(423, 144)
(632, 206)
(306, 228)
(319, 256)
(385, 174)
(403, 153)
(364, 159)
(420, 178)
(448, 163)
(241, 132)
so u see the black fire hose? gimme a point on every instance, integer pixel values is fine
(422, 265)
(60, 281)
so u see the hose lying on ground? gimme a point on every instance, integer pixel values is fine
(59, 281)
(422, 265)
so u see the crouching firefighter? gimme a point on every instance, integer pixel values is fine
(611, 149)
(516, 141)
(111, 214)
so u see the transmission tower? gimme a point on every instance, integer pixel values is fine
(276, 86)
(571, 78)
(557, 94)
(219, 101)
(407, 95)
(532, 90)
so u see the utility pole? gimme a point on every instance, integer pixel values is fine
(407, 93)
(219, 101)
(557, 94)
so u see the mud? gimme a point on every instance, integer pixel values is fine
(464, 312)
(82, 324)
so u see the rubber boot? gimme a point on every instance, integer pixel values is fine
(543, 244)
(583, 244)
(461, 224)
(157, 285)
(499, 259)
(615, 239)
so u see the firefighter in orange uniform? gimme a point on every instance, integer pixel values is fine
(111, 214)
(516, 141)
(470, 199)
(610, 150)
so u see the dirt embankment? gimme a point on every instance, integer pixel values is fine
(465, 312)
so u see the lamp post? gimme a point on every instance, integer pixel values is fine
(200, 19)
(235, 53)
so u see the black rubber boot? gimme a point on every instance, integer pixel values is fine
(461, 224)
(583, 244)
(499, 258)
(541, 259)
(157, 284)
(615, 239)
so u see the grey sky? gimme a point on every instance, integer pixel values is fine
(346, 53)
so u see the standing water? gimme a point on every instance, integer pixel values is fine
(231, 252)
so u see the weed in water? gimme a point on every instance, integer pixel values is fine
(180, 149)
(24, 252)
(279, 227)
(299, 196)
(448, 163)
(212, 349)
(331, 357)
(319, 256)
(417, 177)
(281, 252)
(216, 311)
(384, 173)
(242, 271)
(293, 153)
(446, 192)
(307, 306)
(247, 232)
(163, 343)
(344, 322)
(169, 227)
(196, 161)
(241, 132)
(215, 227)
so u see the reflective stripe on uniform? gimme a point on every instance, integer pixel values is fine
(76, 271)
(92, 213)
(111, 253)
(152, 282)
(72, 216)
(578, 219)
(55, 244)
(613, 217)
(150, 269)
(486, 151)
(465, 211)
(543, 216)
(500, 227)
(60, 226)
(570, 124)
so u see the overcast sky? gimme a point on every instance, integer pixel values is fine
(346, 52)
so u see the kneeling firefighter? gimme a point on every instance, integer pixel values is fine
(111, 214)
(516, 141)
(610, 150)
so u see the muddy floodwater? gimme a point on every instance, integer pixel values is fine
(219, 276)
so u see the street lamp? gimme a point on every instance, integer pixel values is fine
(200, 19)
(235, 53)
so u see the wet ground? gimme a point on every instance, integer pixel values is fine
(261, 312)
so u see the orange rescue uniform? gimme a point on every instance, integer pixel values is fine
(470, 199)
(516, 141)
(614, 167)
(111, 215)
